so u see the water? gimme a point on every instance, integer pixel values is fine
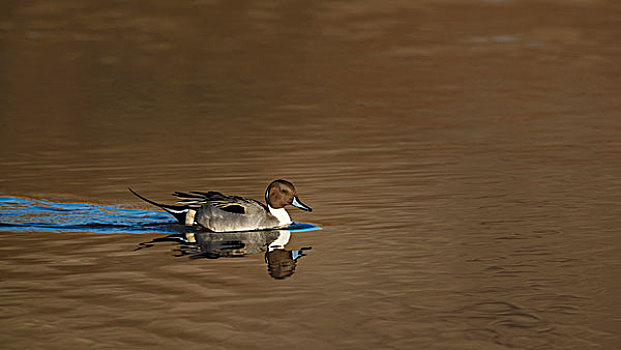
(462, 158)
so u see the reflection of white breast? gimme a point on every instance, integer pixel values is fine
(280, 214)
(281, 241)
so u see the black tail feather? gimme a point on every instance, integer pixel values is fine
(178, 211)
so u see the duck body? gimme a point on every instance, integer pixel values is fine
(221, 213)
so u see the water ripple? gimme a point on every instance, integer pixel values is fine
(31, 215)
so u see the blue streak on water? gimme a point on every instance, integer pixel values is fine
(31, 215)
(303, 227)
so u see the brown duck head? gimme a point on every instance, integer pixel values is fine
(281, 193)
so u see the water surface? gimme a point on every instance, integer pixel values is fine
(462, 158)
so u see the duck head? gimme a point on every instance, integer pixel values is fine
(281, 193)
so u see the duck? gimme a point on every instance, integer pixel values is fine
(217, 212)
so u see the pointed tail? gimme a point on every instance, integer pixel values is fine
(178, 211)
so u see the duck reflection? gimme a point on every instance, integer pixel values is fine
(281, 262)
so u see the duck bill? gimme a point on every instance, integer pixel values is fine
(296, 203)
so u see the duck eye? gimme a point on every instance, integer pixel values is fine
(283, 190)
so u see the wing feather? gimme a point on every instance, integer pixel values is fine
(233, 204)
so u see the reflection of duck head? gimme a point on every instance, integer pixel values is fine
(281, 263)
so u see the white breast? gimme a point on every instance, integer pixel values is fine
(280, 214)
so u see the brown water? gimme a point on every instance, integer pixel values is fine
(462, 157)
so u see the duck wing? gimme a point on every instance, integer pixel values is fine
(232, 204)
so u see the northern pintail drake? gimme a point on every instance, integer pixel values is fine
(221, 213)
